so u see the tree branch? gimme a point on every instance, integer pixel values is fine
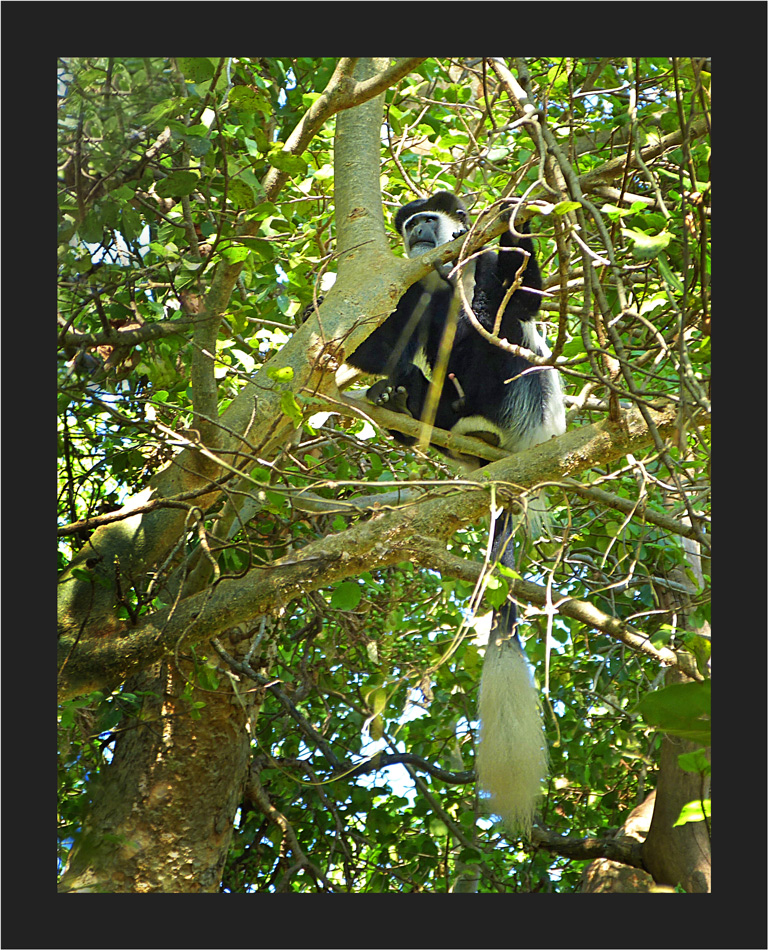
(395, 535)
(581, 610)
(624, 849)
(142, 541)
(132, 336)
(343, 770)
(341, 93)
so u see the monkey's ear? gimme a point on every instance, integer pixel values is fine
(463, 216)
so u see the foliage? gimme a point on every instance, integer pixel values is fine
(160, 160)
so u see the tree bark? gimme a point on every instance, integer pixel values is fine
(407, 533)
(130, 548)
(678, 855)
(605, 876)
(162, 811)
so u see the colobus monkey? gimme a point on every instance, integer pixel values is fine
(503, 399)
(410, 337)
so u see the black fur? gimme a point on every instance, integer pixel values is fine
(487, 391)
(417, 324)
(504, 399)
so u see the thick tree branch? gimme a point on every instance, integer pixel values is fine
(623, 849)
(142, 541)
(394, 536)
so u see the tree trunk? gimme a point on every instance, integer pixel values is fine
(162, 812)
(604, 876)
(680, 855)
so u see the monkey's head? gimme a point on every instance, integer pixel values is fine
(427, 223)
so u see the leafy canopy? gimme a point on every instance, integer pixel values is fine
(160, 162)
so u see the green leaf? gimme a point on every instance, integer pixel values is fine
(695, 761)
(281, 374)
(92, 227)
(563, 207)
(694, 811)
(160, 113)
(285, 162)
(196, 69)
(346, 596)
(291, 408)
(683, 709)
(646, 246)
(131, 224)
(250, 99)
(241, 194)
(669, 275)
(496, 591)
(258, 145)
(110, 717)
(438, 828)
(178, 184)
(207, 677)
(82, 575)
(378, 701)
(233, 254)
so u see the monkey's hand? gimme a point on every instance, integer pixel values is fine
(404, 391)
(386, 394)
(444, 270)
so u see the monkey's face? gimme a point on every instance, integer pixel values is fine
(427, 230)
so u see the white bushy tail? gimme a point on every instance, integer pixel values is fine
(512, 757)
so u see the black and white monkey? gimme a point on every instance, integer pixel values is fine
(496, 396)
(410, 337)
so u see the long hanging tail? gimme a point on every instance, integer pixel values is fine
(512, 757)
